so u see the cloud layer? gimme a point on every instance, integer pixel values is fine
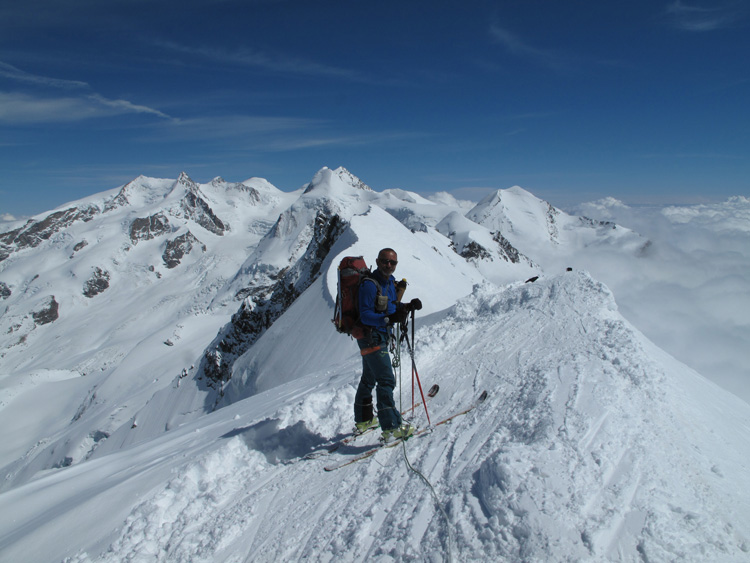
(690, 293)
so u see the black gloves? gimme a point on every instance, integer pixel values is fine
(403, 310)
(399, 316)
(413, 305)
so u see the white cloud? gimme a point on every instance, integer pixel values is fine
(124, 106)
(274, 62)
(690, 293)
(697, 18)
(21, 108)
(517, 46)
(18, 75)
(29, 108)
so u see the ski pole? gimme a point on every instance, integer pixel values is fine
(414, 372)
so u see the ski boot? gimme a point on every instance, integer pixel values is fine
(362, 427)
(402, 432)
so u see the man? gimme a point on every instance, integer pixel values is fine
(379, 311)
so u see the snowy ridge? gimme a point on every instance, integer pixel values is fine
(579, 453)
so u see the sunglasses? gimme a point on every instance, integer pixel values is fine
(389, 262)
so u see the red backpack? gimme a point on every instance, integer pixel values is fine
(353, 271)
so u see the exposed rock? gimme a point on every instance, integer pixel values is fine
(594, 223)
(78, 247)
(554, 231)
(476, 251)
(48, 314)
(5, 291)
(198, 210)
(97, 283)
(33, 233)
(147, 228)
(121, 199)
(178, 247)
(194, 206)
(507, 250)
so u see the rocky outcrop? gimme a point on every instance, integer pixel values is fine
(506, 249)
(147, 228)
(475, 251)
(179, 247)
(194, 206)
(33, 233)
(595, 223)
(97, 283)
(121, 199)
(5, 291)
(199, 211)
(48, 314)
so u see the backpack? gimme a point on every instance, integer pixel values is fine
(353, 271)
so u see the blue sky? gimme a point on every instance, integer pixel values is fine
(645, 101)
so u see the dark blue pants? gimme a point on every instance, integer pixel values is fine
(377, 371)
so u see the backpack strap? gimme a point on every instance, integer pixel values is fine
(373, 280)
(379, 292)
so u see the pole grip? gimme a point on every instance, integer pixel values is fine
(400, 289)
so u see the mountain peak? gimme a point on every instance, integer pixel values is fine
(339, 180)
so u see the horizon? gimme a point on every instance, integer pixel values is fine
(643, 102)
(472, 195)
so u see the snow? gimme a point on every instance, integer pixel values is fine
(594, 444)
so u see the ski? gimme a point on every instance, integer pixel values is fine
(330, 448)
(372, 451)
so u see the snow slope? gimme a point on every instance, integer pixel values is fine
(593, 445)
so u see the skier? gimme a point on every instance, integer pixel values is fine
(379, 311)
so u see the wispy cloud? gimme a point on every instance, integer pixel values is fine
(233, 126)
(273, 62)
(268, 133)
(33, 108)
(18, 75)
(124, 106)
(556, 60)
(19, 108)
(700, 19)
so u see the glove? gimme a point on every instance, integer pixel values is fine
(399, 316)
(413, 305)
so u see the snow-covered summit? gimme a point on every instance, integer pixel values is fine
(492, 253)
(550, 236)
(521, 216)
(336, 182)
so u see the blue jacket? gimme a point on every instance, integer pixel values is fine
(367, 294)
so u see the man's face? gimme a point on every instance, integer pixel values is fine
(387, 263)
